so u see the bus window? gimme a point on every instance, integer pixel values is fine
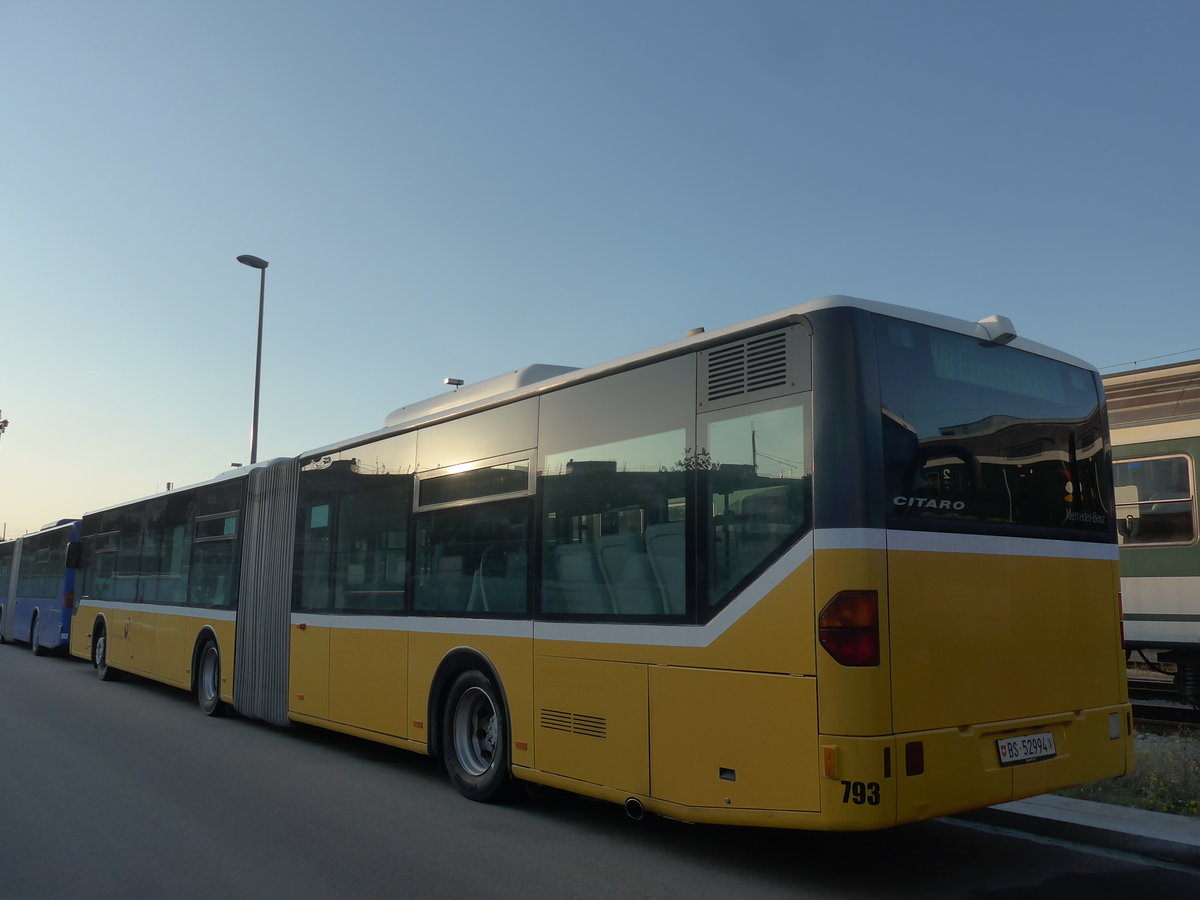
(152, 551)
(174, 550)
(314, 554)
(352, 528)
(129, 554)
(614, 529)
(613, 482)
(214, 556)
(99, 561)
(41, 570)
(473, 560)
(7, 551)
(754, 472)
(372, 538)
(164, 567)
(989, 438)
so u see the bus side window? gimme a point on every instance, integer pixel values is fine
(473, 559)
(610, 545)
(755, 477)
(613, 475)
(370, 543)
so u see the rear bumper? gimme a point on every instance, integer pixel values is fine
(877, 782)
(962, 768)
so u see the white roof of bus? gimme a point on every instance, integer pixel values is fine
(223, 476)
(537, 379)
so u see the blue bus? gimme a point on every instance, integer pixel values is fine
(37, 586)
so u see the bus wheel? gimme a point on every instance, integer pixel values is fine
(35, 637)
(475, 738)
(208, 678)
(100, 658)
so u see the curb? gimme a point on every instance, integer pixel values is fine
(1161, 836)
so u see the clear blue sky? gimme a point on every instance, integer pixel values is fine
(461, 188)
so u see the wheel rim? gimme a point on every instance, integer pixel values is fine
(208, 674)
(100, 642)
(475, 731)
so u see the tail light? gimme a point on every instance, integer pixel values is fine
(914, 758)
(68, 599)
(848, 628)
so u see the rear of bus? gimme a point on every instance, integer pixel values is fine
(41, 584)
(966, 571)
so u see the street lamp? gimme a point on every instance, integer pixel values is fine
(261, 264)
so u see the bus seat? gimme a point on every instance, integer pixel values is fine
(628, 575)
(476, 602)
(665, 547)
(448, 586)
(578, 580)
(498, 585)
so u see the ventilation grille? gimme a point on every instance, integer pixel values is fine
(758, 367)
(574, 723)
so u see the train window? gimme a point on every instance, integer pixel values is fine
(1155, 500)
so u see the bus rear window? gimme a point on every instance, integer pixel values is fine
(980, 437)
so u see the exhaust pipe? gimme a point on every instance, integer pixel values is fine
(634, 809)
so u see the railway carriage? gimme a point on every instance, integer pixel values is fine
(1154, 414)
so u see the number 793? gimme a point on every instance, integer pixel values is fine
(860, 792)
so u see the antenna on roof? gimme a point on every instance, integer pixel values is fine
(996, 330)
(457, 382)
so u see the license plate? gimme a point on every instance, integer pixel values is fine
(1026, 748)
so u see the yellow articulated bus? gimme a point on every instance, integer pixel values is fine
(841, 567)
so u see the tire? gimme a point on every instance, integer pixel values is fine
(208, 678)
(100, 657)
(475, 748)
(35, 637)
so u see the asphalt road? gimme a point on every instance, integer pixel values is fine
(126, 790)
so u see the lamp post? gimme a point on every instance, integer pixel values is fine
(261, 264)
